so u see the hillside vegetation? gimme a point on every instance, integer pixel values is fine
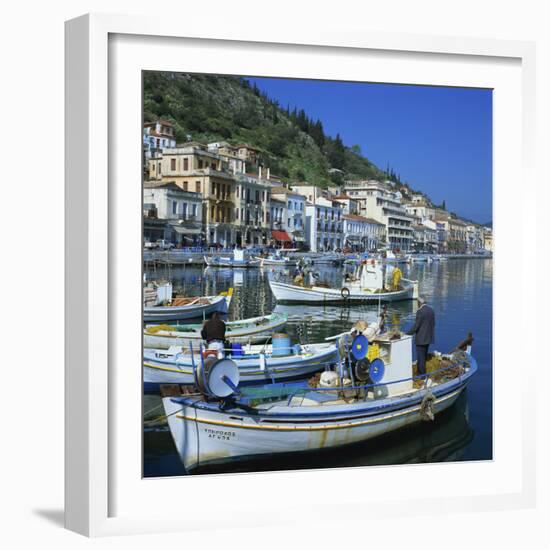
(213, 108)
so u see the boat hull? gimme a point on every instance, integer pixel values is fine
(285, 292)
(288, 367)
(208, 436)
(258, 329)
(178, 313)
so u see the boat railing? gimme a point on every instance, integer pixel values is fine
(366, 387)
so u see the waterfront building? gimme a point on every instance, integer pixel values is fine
(431, 236)
(194, 168)
(324, 225)
(474, 238)
(171, 213)
(156, 137)
(457, 241)
(488, 239)
(380, 202)
(288, 214)
(362, 234)
(251, 210)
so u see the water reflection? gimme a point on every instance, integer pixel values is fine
(460, 291)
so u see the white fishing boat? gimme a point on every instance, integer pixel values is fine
(160, 305)
(229, 423)
(277, 260)
(366, 284)
(256, 329)
(238, 260)
(390, 257)
(256, 363)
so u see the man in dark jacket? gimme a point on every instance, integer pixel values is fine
(423, 330)
(213, 330)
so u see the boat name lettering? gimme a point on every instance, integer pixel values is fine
(220, 434)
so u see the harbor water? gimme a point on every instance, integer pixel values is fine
(460, 292)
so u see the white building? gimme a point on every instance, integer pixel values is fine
(324, 225)
(181, 210)
(157, 136)
(362, 234)
(288, 214)
(380, 202)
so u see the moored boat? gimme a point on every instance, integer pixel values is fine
(160, 305)
(256, 363)
(238, 260)
(278, 260)
(229, 423)
(366, 284)
(256, 329)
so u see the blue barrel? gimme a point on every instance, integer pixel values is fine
(281, 344)
(236, 350)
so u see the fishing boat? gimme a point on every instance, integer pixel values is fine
(256, 363)
(160, 305)
(225, 422)
(390, 257)
(256, 329)
(366, 284)
(278, 260)
(237, 260)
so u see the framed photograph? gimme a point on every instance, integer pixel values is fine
(288, 274)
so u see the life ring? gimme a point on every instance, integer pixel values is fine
(427, 410)
(345, 293)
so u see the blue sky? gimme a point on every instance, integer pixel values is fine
(438, 139)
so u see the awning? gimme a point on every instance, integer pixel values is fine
(186, 230)
(281, 236)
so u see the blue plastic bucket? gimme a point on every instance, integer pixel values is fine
(236, 350)
(281, 345)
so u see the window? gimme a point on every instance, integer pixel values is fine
(237, 191)
(174, 207)
(200, 163)
(184, 210)
(186, 164)
(185, 186)
(172, 164)
(236, 213)
(198, 186)
(194, 211)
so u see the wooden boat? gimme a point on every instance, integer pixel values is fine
(231, 423)
(175, 309)
(367, 284)
(256, 329)
(237, 260)
(256, 363)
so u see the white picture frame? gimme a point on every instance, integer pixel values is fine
(100, 59)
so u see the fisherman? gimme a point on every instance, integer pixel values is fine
(396, 278)
(423, 330)
(213, 332)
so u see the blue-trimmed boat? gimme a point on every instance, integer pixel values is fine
(223, 426)
(257, 364)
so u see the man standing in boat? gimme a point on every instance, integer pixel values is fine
(423, 330)
(213, 332)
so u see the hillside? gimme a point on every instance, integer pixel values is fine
(213, 108)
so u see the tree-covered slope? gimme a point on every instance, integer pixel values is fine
(213, 108)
